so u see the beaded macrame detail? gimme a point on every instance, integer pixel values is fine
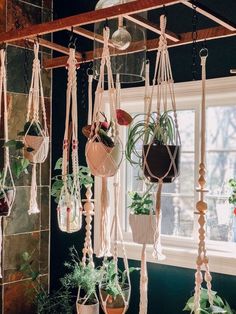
(69, 211)
(201, 206)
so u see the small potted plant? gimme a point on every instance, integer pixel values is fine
(74, 222)
(36, 142)
(219, 305)
(86, 278)
(151, 145)
(142, 218)
(114, 289)
(7, 196)
(104, 149)
(232, 201)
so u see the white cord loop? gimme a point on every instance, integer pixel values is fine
(69, 206)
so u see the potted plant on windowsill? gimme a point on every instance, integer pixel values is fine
(36, 142)
(86, 277)
(114, 290)
(104, 150)
(151, 146)
(219, 305)
(142, 218)
(232, 201)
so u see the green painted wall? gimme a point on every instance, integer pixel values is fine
(169, 287)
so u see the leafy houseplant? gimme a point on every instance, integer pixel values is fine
(142, 219)
(7, 195)
(59, 301)
(103, 149)
(86, 278)
(232, 201)
(219, 305)
(69, 202)
(156, 135)
(114, 288)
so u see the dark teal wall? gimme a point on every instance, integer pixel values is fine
(169, 287)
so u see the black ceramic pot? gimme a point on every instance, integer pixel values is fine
(158, 161)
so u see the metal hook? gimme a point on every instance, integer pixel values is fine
(203, 53)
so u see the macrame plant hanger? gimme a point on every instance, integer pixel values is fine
(116, 234)
(103, 158)
(7, 186)
(36, 137)
(201, 206)
(170, 148)
(69, 207)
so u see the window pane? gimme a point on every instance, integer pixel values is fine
(177, 216)
(219, 220)
(221, 127)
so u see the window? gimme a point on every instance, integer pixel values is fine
(179, 223)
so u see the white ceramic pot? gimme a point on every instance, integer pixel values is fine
(40, 146)
(103, 161)
(143, 228)
(87, 309)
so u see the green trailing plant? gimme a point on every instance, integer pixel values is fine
(113, 283)
(219, 305)
(84, 178)
(142, 203)
(84, 277)
(19, 164)
(140, 133)
(232, 197)
(56, 302)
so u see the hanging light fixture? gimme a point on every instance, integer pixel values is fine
(124, 34)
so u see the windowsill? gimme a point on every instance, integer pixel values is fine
(220, 261)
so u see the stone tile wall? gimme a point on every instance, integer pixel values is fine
(22, 232)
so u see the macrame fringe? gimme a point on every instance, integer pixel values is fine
(143, 305)
(105, 240)
(33, 205)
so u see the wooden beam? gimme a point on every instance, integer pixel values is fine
(186, 38)
(151, 26)
(53, 46)
(90, 35)
(209, 13)
(84, 19)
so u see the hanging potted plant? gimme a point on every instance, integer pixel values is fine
(36, 142)
(114, 288)
(232, 201)
(74, 221)
(142, 217)
(103, 151)
(86, 277)
(7, 196)
(159, 157)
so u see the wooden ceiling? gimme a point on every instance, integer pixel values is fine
(219, 26)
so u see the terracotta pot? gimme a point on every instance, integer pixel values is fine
(40, 146)
(158, 161)
(115, 305)
(69, 216)
(6, 204)
(103, 161)
(143, 228)
(87, 308)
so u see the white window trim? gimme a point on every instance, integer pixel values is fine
(179, 251)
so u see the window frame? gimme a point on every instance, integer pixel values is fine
(179, 251)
